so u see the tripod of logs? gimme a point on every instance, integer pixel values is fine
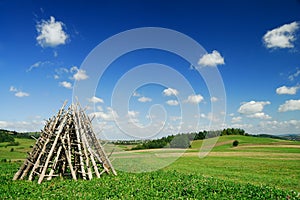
(67, 147)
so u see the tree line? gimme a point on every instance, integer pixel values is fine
(183, 140)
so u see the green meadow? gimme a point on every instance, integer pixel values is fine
(258, 168)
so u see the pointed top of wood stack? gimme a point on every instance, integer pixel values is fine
(67, 147)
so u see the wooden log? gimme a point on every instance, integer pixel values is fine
(52, 149)
(69, 161)
(19, 172)
(79, 143)
(94, 165)
(54, 163)
(37, 163)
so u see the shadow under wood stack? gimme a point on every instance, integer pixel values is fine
(67, 147)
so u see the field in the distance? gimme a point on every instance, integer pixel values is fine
(255, 160)
(262, 167)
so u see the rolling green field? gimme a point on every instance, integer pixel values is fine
(258, 168)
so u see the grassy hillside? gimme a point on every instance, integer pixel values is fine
(249, 143)
(16, 152)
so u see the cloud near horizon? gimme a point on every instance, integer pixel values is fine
(253, 109)
(290, 105)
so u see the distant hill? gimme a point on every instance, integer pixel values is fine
(292, 137)
(15, 134)
(282, 137)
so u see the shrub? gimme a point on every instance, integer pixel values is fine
(235, 143)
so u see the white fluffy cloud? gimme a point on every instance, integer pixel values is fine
(290, 105)
(279, 127)
(236, 119)
(194, 99)
(170, 92)
(259, 115)
(172, 102)
(80, 74)
(144, 99)
(211, 60)
(281, 37)
(66, 84)
(95, 99)
(23, 126)
(287, 90)
(252, 107)
(51, 33)
(110, 115)
(18, 93)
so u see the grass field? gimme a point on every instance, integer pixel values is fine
(259, 168)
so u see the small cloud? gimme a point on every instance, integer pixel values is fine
(110, 115)
(281, 37)
(51, 33)
(66, 84)
(13, 89)
(287, 90)
(295, 75)
(21, 94)
(80, 74)
(144, 99)
(231, 114)
(194, 99)
(170, 92)
(252, 107)
(56, 76)
(259, 115)
(211, 60)
(132, 114)
(17, 92)
(214, 99)
(37, 65)
(290, 105)
(95, 99)
(236, 119)
(136, 94)
(172, 102)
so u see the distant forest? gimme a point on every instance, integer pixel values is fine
(9, 136)
(181, 140)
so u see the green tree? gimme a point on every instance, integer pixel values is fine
(180, 141)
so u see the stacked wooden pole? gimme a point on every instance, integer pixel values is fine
(67, 147)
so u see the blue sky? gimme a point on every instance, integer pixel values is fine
(253, 45)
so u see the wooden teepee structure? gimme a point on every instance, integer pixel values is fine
(67, 147)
